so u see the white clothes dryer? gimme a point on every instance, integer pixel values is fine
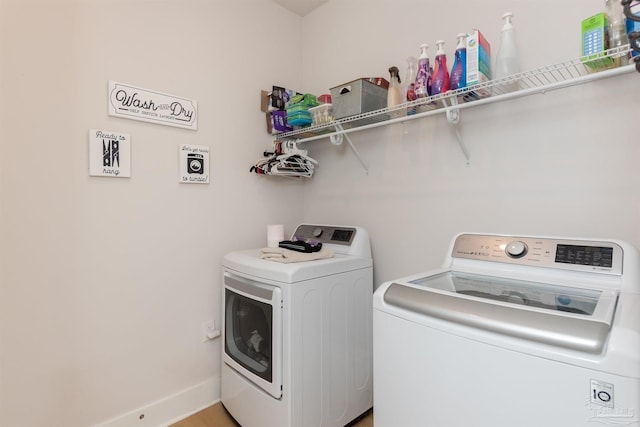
(298, 336)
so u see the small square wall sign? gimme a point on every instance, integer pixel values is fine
(194, 164)
(109, 154)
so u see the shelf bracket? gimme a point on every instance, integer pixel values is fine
(453, 117)
(337, 139)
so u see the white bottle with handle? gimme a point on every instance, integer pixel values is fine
(507, 62)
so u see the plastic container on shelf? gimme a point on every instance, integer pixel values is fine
(441, 80)
(507, 62)
(423, 77)
(410, 79)
(632, 26)
(302, 118)
(617, 31)
(298, 109)
(322, 114)
(324, 99)
(459, 69)
(394, 94)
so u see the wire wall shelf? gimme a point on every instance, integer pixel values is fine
(541, 80)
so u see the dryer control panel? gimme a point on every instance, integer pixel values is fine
(346, 240)
(326, 233)
(580, 255)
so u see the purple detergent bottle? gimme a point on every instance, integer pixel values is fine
(423, 78)
(441, 81)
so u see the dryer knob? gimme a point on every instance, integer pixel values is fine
(317, 232)
(516, 249)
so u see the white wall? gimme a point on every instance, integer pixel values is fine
(105, 282)
(563, 163)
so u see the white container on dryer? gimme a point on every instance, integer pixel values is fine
(298, 336)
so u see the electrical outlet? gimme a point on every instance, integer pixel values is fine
(209, 330)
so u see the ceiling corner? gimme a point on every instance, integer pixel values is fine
(300, 7)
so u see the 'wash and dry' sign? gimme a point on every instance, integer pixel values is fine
(150, 106)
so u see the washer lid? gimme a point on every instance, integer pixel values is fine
(249, 262)
(562, 316)
(548, 298)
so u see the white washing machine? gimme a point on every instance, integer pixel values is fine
(512, 331)
(298, 336)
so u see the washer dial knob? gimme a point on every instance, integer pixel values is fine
(317, 232)
(516, 249)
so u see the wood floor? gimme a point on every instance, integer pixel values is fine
(217, 416)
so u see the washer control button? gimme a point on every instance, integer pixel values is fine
(516, 249)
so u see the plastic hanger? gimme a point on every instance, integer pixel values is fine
(286, 160)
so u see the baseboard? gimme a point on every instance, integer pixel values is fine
(170, 409)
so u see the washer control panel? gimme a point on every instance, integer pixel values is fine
(582, 255)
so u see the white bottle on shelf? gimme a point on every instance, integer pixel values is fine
(507, 62)
(394, 93)
(410, 79)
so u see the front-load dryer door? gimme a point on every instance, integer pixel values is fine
(253, 331)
